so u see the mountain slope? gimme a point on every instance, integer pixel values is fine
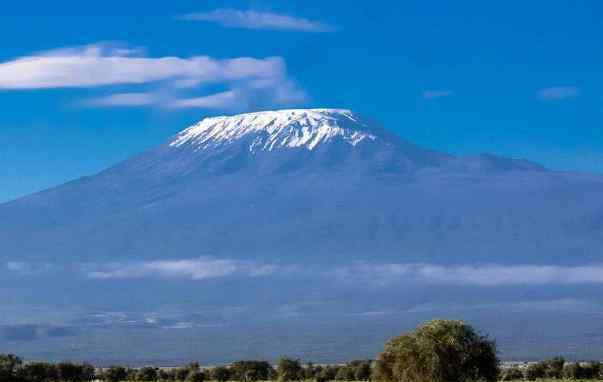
(315, 226)
(309, 183)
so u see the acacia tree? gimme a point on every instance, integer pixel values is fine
(289, 370)
(439, 351)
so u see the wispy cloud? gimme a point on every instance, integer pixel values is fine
(124, 99)
(104, 65)
(436, 93)
(28, 269)
(486, 275)
(202, 268)
(194, 269)
(556, 93)
(233, 18)
(563, 304)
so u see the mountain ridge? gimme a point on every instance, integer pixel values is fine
(264, 225)
(386, 194)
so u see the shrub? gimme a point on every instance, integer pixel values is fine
(439, 351)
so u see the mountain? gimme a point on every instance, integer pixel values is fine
(312, 183)
(229, 211)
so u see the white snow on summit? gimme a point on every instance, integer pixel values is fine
(303, 128)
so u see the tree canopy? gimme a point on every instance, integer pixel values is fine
(439, 351)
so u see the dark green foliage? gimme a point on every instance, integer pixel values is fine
(75, 372)
(115, 374)
(535, 371)
(572, 371)
(592, 370)
(147, 374)
(577, 370)
(12, 369)
(439, 351)
(219, 374)
(361, 369)
(345, 373)
(511, 374)
(165, 376)
(309, 371)
(289, 370)
(195, 376)
(180, 373)
(39, 372)
(249, 371)
(554, 368)
(9, 367)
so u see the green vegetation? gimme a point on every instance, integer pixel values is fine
(437, 351)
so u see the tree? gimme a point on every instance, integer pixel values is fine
(9, 366)
(591, 370)
(39, 372)
(362, 370)
(322, 374)
(327, 373)
(439, 351)
(195, 376)
(249, 371)
(147, 374)
(181, 373)
(165, 375)
(219, 374)
(72, 372)
(289, 369)
(554, 368)
(115, 374)
(511, 374)
(535, 371)
(572, 371)
(309, 371)
(345, 373)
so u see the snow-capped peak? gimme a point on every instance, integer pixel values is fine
(293, 128)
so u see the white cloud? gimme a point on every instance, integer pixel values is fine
(250, 95)
(28, 269)
(481, 275)
(222, 100)
(558, 93)
(439, 93)
(563, 304)
(488, 275)
(194, 269)
(102, 65)
(233, 18)
(124, 99)
(98, 65)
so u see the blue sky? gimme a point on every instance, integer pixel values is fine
(515, 78)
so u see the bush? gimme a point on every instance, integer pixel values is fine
(439, 351)
(9, 366)
(534, 371)
(219, 374)
(250, 371)
(146, 374)
(289, 370)
(511, 374)
(115, 374)
(195, 376)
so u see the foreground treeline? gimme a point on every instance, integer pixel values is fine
(554, 368)
(12, 369)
